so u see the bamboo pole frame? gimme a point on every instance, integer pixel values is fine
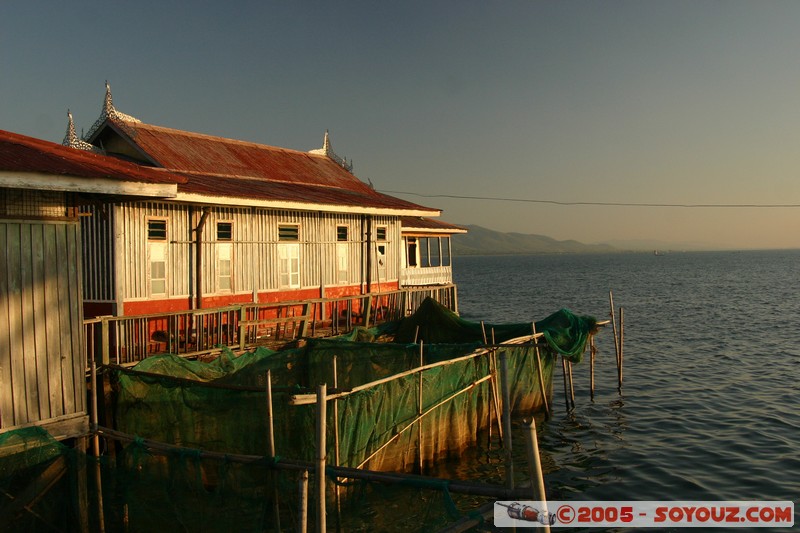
(307, 399)
(453, 485)
(424, 414)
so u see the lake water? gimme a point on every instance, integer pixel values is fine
(710, 406)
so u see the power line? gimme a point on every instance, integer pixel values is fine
(603, 204)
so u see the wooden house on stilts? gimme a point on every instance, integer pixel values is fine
(251, 224)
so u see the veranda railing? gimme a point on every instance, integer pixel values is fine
(130, 339)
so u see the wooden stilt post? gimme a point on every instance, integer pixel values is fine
(506, 420)
(271, 450)
(540, 373)
(535, 465)
(322, 415)
(302, 525)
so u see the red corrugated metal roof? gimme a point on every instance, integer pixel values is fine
(260, 189)
(21, 153)
(217, 166)
(430, 225)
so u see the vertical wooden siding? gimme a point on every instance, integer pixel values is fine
(41, 355)
(135, 266)
(255, 249)
(98, 254)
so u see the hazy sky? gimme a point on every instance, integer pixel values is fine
(656, 102)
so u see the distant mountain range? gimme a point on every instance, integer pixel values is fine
(483, 241)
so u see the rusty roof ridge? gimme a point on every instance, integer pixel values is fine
(367, 188)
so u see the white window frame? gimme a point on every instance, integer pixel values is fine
(342, 254)
(157, 253)
(289, 258)
(289, 265)
(224, 255)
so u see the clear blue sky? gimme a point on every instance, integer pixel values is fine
(673, 102)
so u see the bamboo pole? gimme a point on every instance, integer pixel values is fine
(506, 420)
(571, 384)
(621, 343)
(420, 461)
(271, 450)
(492, 386)
(336, 458)
(98, 477)
(535, 465)
(497, 406)
(564, 374)
(302, 525)
(335, 414)
(614, 325)
(591, 365)
(322, 415)
(540, 373)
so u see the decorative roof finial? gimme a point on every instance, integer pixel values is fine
(328, 151)
(72, 140)
(108, 112)
(108, 103)
(326, 143)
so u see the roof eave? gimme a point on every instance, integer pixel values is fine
(304, 206)
(430, 231)
(79, 184)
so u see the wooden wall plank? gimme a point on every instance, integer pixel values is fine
(6, 386)
(76, 317)
(27, 290)
(40, 310)
(67, 378)
(20, 414)
(53, 321)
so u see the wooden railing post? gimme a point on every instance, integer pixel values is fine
(104, 340)
(306, 317)
(242, 327)
(368, 311)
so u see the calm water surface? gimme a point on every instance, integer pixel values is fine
(709, 407)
